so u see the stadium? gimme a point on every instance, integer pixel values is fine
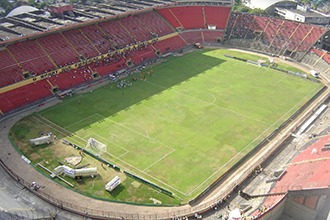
(166, 110)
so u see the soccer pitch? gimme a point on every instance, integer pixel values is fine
(187, 123)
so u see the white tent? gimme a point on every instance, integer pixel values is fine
(235, 214)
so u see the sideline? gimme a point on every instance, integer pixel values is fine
(69, 200)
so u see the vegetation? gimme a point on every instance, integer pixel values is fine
(240, 7)
(181, 125)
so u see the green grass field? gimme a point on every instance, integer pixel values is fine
(188, 123)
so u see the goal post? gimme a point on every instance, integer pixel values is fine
(96, 147)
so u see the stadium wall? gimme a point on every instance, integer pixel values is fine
(277, 37)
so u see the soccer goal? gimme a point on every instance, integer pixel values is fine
(95, 147)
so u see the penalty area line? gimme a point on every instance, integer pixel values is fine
(92, 134)
(119, 159)
(84, 119)
(213, 104)
(159, 160)
(136, 132)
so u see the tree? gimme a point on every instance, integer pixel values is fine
(306, 2)
(240, 7)
(257, 11)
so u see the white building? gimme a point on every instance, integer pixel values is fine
(270, 5)
(304, 15)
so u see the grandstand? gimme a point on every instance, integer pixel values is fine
(302, 186)
(272, 35)
(69, 57)
(42, 56)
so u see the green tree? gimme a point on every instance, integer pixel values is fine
(306, 2)
(257, 11)
(8, 8)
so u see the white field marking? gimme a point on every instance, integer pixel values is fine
(266, 130)
(159, 160)
(60, 128)
(171, 187)
(226, 109)
(150, 176)
(136, 132)
(123, 154)
(278, 81)
(141, 171)
(77, 122)
(62, 104)
(286, 113)
(214, 99)
(138, 127)
(207, 103)
(238, 153)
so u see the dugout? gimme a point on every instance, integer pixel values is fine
(41, 140)
(113, 184)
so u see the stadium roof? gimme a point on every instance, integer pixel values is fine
(265, 4)
(21, 10)
(26, 20)
(308, 170)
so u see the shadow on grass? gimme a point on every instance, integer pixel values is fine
(116, 192)
(109, 100)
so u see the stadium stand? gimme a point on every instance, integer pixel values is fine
(217, 16)
(10, 71)
(31, 57)
(154, 23)
(70, 57)
(192, 36)
(115, 33)
(212, 36)
(202, 36)
(322, 54)
(134, 28)
(75, 55)
(71, 78)
(80, 42)
(318, 59)
(59, 49)
(196, 17)
(272, 35)
(96, 36)
(307, 172)
(24, 95)
(170, 44)
(191, 17)
(170, 17)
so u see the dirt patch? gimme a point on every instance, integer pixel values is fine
(155, 201)
(136, 184)
(73, 160)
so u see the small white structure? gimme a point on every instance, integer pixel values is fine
(315, 73)
(112, 184)
(310, 120)
(75, 172)
(235, 214)
(41, 140)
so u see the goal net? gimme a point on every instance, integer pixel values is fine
(95, 147)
